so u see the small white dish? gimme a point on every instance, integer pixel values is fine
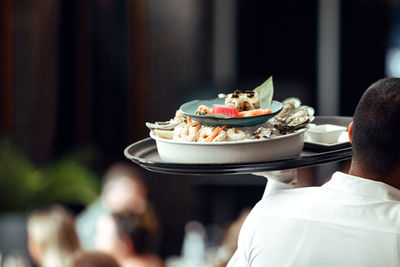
(343, 142)
(343, 138)
(325, 134)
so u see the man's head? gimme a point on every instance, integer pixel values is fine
(51, 236)
(124, 189)
(122, 235)
(376, 128)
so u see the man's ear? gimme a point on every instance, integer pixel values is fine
(351, 131)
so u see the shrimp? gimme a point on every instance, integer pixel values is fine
(191, 123)
(220, 135)
(210, 134)
(254, 112)
(234, 134)
(178, 131)
(186, 132)
(179, 116)
(204, 133)
(203, 110)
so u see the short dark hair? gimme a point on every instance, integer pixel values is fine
(376, 134)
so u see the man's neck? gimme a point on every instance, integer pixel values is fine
(360, 171)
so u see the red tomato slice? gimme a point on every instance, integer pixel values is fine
(225, 110)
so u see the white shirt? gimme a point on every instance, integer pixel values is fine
(349, 221)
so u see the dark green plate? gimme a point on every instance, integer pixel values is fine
(189, 108)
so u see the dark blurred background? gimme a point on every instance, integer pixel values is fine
(78, 74)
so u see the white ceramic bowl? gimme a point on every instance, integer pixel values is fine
(273, 148)
(325, 133)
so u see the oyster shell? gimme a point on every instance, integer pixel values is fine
(292, 100)
(299, 115)
(166, 134)
(162, 125)
(163, 129)
(262, 132)
(289, 104)
(297, 118)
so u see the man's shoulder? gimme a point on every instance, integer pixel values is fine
(329, 206)
(288, 196)
(286, 200)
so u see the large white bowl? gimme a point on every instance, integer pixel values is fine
(273, 148)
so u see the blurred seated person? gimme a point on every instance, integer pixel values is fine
(52, 239)
(126, 237)
(14, 259)
(230, 239)
(123, 190)
(93, 259)
(354, 218)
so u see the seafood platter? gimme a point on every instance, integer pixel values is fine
(238, 127)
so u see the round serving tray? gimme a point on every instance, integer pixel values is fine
(145, 154)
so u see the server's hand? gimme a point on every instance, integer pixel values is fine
(285, 176)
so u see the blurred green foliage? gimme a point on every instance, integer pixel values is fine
(24, 186)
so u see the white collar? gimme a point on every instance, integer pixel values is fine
(366, 188)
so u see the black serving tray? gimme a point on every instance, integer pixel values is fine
(145, 154)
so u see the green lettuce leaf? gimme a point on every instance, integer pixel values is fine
(265, 92)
